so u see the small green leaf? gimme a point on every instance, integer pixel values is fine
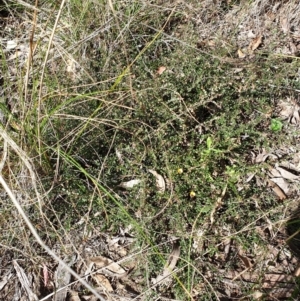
(276, 125)
(209, 142)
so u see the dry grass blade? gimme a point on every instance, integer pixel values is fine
(22, 155)
(21, 2)
(4, 155)
(24, 281)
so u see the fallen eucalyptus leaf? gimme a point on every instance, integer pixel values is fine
(11, 45)
(295, 118)
(249, 177)
(277, 190)
(257, 295)
(282, 184)
(275, 173)
(255, 43)
(160, 182)
(130, 184)
(246, 261)
(241, 54)
(103, 282)
(290, 166)
(262, 157)
(74, 296)
(62, 278)
(160, 70)
(169, 267)
(286, 174)
(103, 262)
(286, 109)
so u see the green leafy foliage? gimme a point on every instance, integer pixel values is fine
(276, 125)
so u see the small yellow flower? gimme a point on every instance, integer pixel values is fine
(192, 194)
(179, 171)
